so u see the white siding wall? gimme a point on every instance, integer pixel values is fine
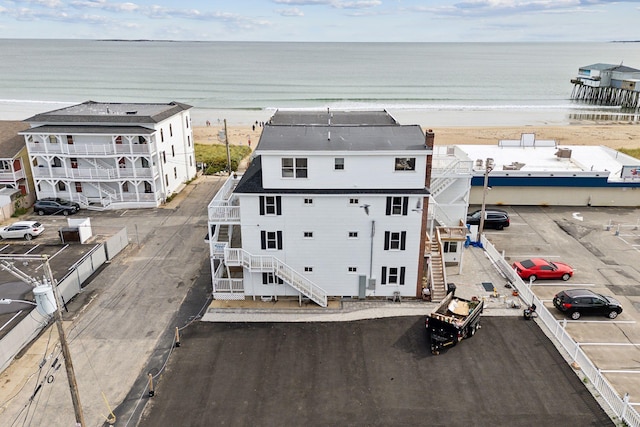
(330, 252)
(361, 171)
(180, 163)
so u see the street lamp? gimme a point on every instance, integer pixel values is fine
(488, 168)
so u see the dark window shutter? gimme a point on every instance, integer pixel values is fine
(405, 205)
(278, 205)
(403, 240)
(388, 205)
(279, 239)
(383, 279)
(263, 239)
(265, 279)
(386, 240)
(402, 275)
(262, 206)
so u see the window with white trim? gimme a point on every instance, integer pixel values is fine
(405, 164)
(395, 240)
(392, 276)
(397, 205)
(271, 240)
(338, 163)
(308, 234)
(270, 205)
(353, 234)
(308, 269)
(308, 201)
(354, 201)
(352, 269)
(450, 247)
(294, 167)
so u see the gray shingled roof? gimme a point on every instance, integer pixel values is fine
(82, 129)
(105, 112)
(341, 138)
(10, 141)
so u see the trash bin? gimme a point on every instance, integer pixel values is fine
(451, 288)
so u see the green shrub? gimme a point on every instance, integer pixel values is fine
(633, 152)
(215, 156)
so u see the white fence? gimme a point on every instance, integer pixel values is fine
(619, 405)
(69, 286)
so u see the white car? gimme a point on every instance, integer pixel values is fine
(22, 230)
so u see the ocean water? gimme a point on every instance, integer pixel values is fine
(455, 84)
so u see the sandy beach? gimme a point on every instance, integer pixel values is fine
(611, 135)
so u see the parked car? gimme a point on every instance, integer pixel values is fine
(493, 218)
(576, 302)
(538, 268)
(22, 230)
(55, 206)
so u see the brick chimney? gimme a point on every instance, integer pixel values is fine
(429, 140)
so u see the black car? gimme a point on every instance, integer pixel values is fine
(494, 218)
(576, 302)
(55, 206)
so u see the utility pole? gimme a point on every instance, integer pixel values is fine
(71, 376)
(488, 168)
(226, 141)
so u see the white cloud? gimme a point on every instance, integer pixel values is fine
(104, 5)
(294, 11)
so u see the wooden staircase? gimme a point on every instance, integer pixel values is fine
(437, 272)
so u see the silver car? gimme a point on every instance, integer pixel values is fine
(22, 230)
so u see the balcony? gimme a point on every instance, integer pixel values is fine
(12, 177)
(95, 174)
(90, 150)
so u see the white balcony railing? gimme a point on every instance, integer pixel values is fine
(81, 150)
(12, 176)
(97, 174)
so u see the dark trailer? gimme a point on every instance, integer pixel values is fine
(452, 321)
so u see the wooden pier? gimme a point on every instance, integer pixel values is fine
(611, 96)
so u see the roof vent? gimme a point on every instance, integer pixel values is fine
(563, 153)
(479, 163)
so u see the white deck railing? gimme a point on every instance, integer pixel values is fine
(269, 264)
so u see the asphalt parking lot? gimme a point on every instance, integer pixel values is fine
(602, 244)
(369, 372)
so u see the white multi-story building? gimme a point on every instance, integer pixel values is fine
(112, 155)
(334, 204)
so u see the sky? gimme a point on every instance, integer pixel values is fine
(324, 20)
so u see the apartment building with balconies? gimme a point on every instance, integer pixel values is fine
(112, 155)
(333, 204)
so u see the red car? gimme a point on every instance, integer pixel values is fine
(538, 268)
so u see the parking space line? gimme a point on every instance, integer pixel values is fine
(608, 343)
(600, 321)
(563, 284)
(618, 371)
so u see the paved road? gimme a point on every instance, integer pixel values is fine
(368, 372)
(129, 308)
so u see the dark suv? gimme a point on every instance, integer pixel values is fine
(55, 206)
(494, 218)
(576, 302)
